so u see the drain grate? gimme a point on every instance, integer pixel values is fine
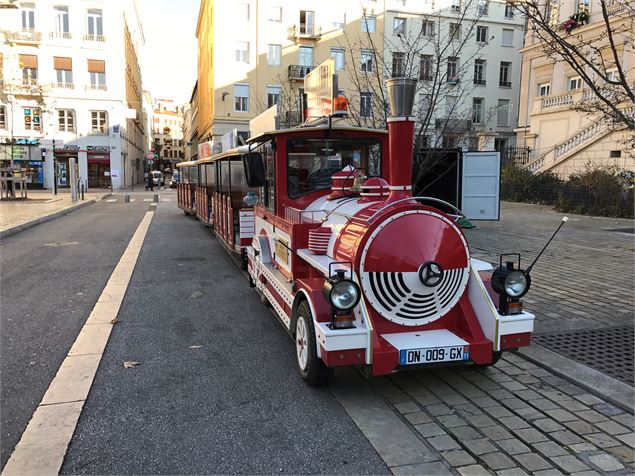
(608, 350)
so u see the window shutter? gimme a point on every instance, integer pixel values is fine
(96, 66)
(28, 61)
(62, 63)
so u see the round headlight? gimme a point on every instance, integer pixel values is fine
(516, 284)
(344, 294)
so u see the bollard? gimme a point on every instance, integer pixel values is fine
(126, 198)
(81, 188)
(156, 197)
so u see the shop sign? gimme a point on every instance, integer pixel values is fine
(20, 152)
(103, 149)
(67, 148)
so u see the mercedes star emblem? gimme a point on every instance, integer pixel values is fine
(431, 274)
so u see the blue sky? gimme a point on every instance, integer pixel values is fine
(169, 60)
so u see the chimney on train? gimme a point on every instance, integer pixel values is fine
(401, 126)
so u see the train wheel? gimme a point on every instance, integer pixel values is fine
(310, 366)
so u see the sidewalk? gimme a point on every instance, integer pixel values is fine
(42, 205)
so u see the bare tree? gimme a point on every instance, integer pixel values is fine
(596, 56)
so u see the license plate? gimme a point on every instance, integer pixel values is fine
(434, 354)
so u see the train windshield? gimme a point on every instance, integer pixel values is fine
(312, 162)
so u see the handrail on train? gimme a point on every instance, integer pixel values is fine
(431, 199)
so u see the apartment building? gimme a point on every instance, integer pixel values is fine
(190, 125)
(270, 45)
(465, 55)
(168, 134)
(255, 53)
(71, 89)
(561, 138)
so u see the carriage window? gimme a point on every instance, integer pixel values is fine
(312, 162)
(211, 176)
(268, 193)
(193, 175)
(224, 176)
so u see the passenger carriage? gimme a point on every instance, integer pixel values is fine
(358, 271)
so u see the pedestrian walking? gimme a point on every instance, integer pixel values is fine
(150, 182)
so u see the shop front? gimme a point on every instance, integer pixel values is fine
(62, 160)
(98, 158)
(26, 156)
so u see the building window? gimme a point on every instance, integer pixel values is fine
(32, 119)
(63, 71)
(366, 104)
(99, 121)
(241, 97)
(274, 55)
(508, 37)
(66, 120)
(273, 95)
(338, 55)
(368, 60)
(479, 72)
(28, 16)
(243, 11)
(275, 14)
(242, 52)
(61, 28)
(97, 73)
(502, 119)
(509, 10)
(425, 68)
(574, 83)
(28, 64)
(307, 22)
(456, 6)
(477, 110)
(552, 12)
(483, 7)
(399, 26)
(427, 28)
(398, 64)
(505, 74)
(453, 69)
(369, 24)
(544, 89)
(306, 56)
(450, 105)
(95, 25)
(339, 20)
(481, 34)
(582, 6)
(3, 117)
(611, 74)
(455, 31)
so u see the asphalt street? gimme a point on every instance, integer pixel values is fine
(216, 390)
(52, 275)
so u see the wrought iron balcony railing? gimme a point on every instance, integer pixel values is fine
(298, 71)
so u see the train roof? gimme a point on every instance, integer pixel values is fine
(243, 149)
(264, 135)
(186, 164)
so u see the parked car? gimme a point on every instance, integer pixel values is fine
(158, 178)
(176, 178)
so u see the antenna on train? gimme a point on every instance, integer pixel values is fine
(564, 220)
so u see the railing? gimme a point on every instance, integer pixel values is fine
(616, 8)
(303, 32)
(453, 124)
(23, 35)
(556, 101)
(90, 37)
(298, 71)
(577, 139)
(30, 82)
(480, 82)
(96, 87)
(292, 118)
(63, 85)
(516, 155)
(66, 35)
(505, 84)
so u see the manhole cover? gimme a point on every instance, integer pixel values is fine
(608, 350)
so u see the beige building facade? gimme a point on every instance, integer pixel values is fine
(168, 134)
(561, 138)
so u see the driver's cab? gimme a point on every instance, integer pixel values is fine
(297, 164)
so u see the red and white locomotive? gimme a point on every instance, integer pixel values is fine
(359, 271)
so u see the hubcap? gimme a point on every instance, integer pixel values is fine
(301, 342)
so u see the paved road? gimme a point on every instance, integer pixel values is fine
(216, 390)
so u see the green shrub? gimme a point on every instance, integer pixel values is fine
(518, 184)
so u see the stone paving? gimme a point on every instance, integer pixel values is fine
(512, 419)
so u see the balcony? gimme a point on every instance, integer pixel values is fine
(62, 86)
(298, 71)
(62, 35)
(304, 32)
(26, 36)
(290, 119)
(23, 87)
(97, 38)
(454, 81)
(480, 82)
(505, 84)
(452, 125)
(96, 87)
